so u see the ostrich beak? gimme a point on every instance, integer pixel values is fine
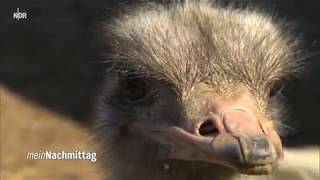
(249, 148)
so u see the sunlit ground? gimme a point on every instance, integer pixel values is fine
(26, 127)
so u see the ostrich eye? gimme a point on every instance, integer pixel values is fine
(133, 88)
(276, 89)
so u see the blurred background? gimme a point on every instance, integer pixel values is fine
(50, 70)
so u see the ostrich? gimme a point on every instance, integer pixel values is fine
(191, 92)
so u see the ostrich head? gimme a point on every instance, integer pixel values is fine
(191, 92)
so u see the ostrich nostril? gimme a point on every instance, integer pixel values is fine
(207, 128)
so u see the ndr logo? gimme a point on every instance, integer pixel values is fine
(19, 15)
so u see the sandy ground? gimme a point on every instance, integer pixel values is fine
(26, 127)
